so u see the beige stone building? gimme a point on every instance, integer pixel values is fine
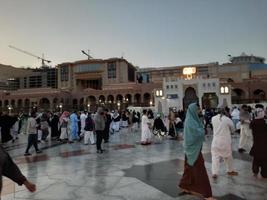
(116, 83)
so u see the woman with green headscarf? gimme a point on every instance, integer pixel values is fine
(195, 178)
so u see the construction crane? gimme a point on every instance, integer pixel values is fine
(87, 54)
(30, 54)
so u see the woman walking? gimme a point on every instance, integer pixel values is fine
(259, 149)
(195, 178)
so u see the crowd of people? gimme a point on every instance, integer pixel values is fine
(190, 126)
(253, 135)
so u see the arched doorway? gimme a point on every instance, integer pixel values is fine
(20, 104)
(128, 99)
(55, 103)
(110, 99)
(190, 96)
(101, 99)
(6, 103)
(27, 103)
(44, 103)
(137, 99)
(259, 95)
(13, 103)
(91, 102)
(210, 100)
(238, 96)
(75, 104)
(81, 104)
(110, 102)
(147, 99)
(119, 98)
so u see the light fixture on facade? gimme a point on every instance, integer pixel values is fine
(150, 103)
(159, 93)
(189, 71)
(60, 107)
(9, 108)
(224, 90)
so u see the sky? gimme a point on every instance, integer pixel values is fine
(148, 33)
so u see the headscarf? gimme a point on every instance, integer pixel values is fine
(64, 115)
(193, 134)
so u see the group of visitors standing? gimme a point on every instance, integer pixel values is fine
(77, 126)
(195, 178)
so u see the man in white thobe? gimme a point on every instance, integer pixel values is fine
(221, 147)
(145, 129)
(83, 118)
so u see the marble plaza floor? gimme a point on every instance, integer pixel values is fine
(125, 171)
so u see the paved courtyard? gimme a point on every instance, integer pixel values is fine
(125, 171)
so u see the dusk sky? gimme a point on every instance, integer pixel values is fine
(148, 33)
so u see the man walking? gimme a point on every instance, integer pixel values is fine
(221, 146)
(99, 128)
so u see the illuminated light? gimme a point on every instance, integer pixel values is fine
(189, 70)
(226, 90)
(163, 98)
(157, 93)
(222, 90)
(160, 93)
(150, 103)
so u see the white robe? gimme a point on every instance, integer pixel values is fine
(222, 144)
(83, 118)
(146, 132)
